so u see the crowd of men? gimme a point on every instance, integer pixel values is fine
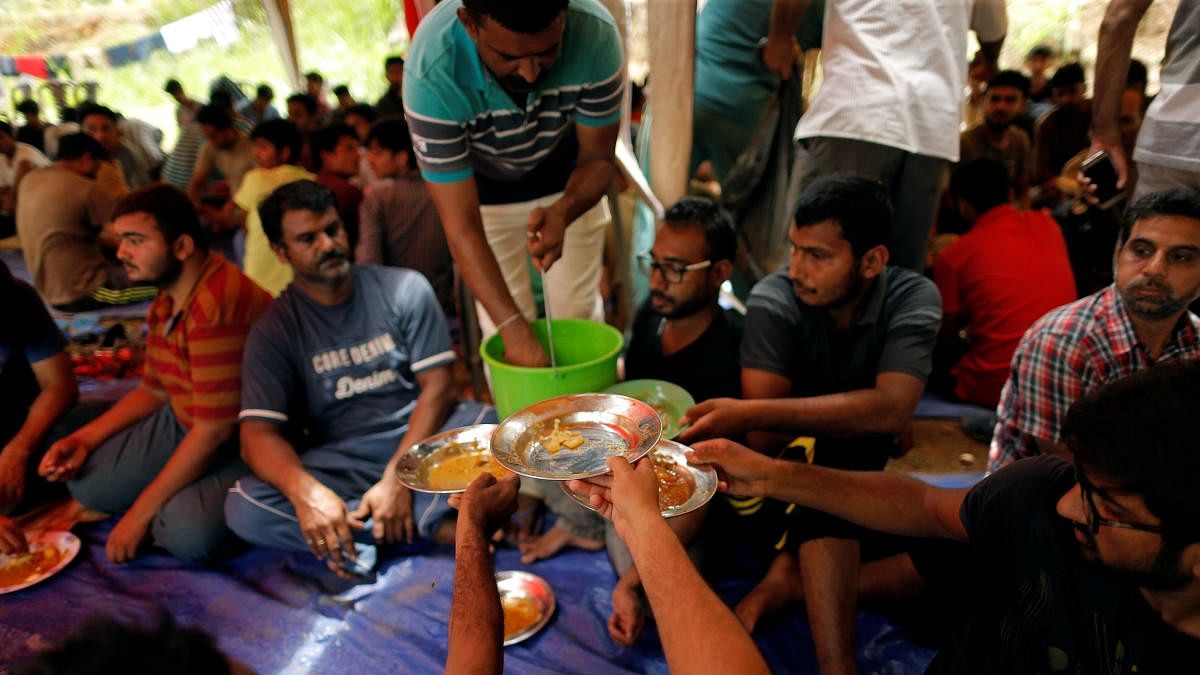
(301, 270)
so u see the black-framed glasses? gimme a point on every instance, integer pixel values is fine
(672, 272)
(1095, 521)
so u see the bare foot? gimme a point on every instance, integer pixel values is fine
(779, 588)
(628, 615)
(59, 516)
(535, 547)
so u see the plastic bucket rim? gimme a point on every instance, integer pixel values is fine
(492, 361)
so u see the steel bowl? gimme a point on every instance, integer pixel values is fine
(526, 587)
(702, 478)
(419, 464)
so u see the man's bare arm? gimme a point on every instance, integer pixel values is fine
(1113, 51)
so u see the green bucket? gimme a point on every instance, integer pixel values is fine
(587, 362)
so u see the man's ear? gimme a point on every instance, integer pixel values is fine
(280, 253)
(873, 262)
(464, 17)
(722, 270)
(184, 247)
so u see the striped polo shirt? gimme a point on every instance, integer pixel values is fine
(1170, 135)
(194, 353)
(464, 124)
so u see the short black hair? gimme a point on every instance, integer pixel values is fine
(74, 146)
(860, 206)
(341, 90)
(363, 110)
(96, 109)
(282, 134)
(391, 133)
(1043, 51)
(28, 107)
(301, 195)
(1010, 78)
(6, 128)
(215, 116)
(105, 645)
(314, 75)
(1137, 75)
(1141, 432)
(520, 16)
(720, 238)
(1174, 202)
(171, 209)
(326, 139)
(983, 183)
(264, 91)
(172, 86)
(1067, 75)
(306, 100)
(394, 59)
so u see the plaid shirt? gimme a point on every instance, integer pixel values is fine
(1065, 355)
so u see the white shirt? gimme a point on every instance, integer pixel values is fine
(23, 153)
(895, 69)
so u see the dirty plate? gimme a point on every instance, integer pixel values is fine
(682, 488)
(669, 400)
(49, 553)
(449, 461)
(571, 436)
(528, 604)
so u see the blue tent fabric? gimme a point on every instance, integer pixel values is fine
(282, 612)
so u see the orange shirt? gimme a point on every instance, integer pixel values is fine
(194, 354)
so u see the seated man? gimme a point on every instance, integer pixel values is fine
(259, 109)
(38, 384)
(16, 160)
(1062, 132)
(226, 151)
(357, 356)
(838, 347)
(998, 137)
(681, 334)
(132, 172)
(335, 148)
(277, 146)
(1139, 321)
(1009, 269)
(1090, 568)
(166, 453)
(398, 222)
(62, 224)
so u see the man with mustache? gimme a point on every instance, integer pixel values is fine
(514, 109)
(1090, 568)
(997, 136)
(359, 358)
(1139, 321)
(166, 453)
(837, 347)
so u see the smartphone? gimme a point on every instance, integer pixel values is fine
(1100, 171)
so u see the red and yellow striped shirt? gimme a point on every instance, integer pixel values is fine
(195, 354)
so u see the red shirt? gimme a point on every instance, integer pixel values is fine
(1001, 276)
(194, 353)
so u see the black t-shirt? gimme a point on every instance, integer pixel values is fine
(27, 335)
(706, 368)
(1042, 607)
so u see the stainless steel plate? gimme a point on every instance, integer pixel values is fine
(670, 400)
(435, 464)
(610, 425)
(703, 480)
(523, 587)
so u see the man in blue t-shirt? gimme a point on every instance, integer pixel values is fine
(37, 387)
(514, 110)
(346, 368)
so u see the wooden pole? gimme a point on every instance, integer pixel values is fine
(279, 15)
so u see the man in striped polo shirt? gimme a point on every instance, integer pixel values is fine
(514, 111)
(166, 453)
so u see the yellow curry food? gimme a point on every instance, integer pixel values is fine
(674, 483)
(457, 472)
(17, 569)
(558, 438)
(520, 613)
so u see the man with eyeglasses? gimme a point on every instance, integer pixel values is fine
(838, 348)
(1090, 568)
(1139, 321)
(681, 334)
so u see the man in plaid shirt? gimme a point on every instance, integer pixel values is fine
(1139, 321)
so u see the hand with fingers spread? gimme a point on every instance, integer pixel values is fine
(546, 229)
(12, 538)
(740, 470)
(326, 524)
(64, 459)
(714, 418)
(13, 461)
(390, 504)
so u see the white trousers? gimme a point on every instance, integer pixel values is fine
(574, 279)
